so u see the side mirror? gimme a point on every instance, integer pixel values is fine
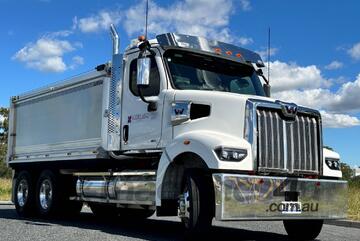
(143, 71)
(267, 89)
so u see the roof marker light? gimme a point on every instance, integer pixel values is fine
(217, 50)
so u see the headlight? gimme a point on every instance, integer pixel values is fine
(333, 164)
(230, 154)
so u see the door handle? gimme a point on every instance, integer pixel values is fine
(126, 133)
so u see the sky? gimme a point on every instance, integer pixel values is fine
(315, 47)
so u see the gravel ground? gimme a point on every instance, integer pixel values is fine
(86, 227)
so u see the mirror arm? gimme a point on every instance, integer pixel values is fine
(265, 79)
(152, 105)
(144, 47)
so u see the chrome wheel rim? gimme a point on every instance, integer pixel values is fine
(184, 206)
(45, 194)
(22, 192)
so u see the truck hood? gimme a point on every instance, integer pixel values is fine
(227, 111)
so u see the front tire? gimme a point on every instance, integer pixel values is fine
(24, 195)
(303, 229)
(196, 204)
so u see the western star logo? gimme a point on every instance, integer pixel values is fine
(289, 110)
(179, 111)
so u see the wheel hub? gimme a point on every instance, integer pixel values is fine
(184, 205)
(22, 192)
(45, 194)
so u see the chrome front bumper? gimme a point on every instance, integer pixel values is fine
(244, 197)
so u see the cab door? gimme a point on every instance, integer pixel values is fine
(141, 129)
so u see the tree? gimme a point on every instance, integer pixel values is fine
(4, 127)
(347, 172)
(329, 148)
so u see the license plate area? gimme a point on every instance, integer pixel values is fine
(290, 207)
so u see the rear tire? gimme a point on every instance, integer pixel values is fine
(24, 194)
(303, 229)
(198, 200)
(52, 196)
(48, 194)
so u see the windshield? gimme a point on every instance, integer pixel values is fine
(192, 71)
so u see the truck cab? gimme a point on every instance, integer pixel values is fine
(185, 127)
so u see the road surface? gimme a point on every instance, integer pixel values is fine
(86, 227)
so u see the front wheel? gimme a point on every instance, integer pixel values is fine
(196, 203)
(303, 229)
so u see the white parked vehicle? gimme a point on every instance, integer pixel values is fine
(180, 125)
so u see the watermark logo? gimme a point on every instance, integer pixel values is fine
(293, 207)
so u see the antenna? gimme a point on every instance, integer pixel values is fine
(146, 17)
(268, 58)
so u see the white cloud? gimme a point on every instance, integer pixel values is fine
(306, 86)
(354, 51)
(334, 65)
(50, 64)
(194, 17)
(76, 62)
(338, 120)
(95, 23)
(245, 41)
(264, 52)
(61, 33)
(245, 5)
(290, 76)
(345, 99)
(46, 54)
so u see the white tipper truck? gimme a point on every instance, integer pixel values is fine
(178, 125)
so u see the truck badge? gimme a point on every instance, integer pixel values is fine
(179, 111)
(289, 110)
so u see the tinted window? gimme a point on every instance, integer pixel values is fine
(201, 72)
(154, 88)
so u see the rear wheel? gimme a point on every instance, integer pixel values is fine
(24, 195)
(303, 229)
(47, 194)
(52, 196)
(196, 204)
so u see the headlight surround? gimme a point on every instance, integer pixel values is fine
(231, 154)
(333, 164)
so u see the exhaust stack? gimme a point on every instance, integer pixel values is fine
(115, 39)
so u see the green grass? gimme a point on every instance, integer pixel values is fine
(5, 189)
(354, 200)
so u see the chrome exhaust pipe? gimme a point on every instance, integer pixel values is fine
(115, 39)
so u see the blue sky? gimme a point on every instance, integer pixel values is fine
(315, 47)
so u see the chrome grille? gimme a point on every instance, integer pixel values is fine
(290, 146)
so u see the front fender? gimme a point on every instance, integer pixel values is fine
(326, 170)
(203, 144)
